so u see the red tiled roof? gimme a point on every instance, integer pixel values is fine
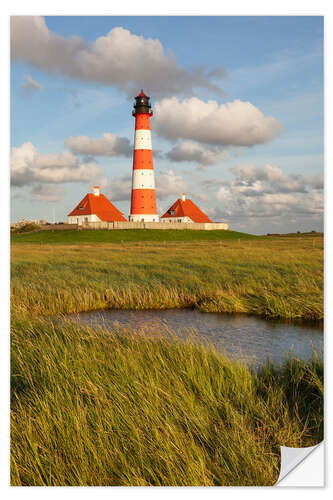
(186, 209)
(100, 206)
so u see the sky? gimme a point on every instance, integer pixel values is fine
(237, 124)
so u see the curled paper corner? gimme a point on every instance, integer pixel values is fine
(292, 457)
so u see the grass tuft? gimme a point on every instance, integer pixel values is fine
(94, 408)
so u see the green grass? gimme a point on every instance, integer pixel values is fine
(93, 408)
(272, 277)
(90, 407)
(118, 236)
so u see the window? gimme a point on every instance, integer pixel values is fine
(86, 219)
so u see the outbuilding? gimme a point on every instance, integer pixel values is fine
(95, 207)
(184, 210)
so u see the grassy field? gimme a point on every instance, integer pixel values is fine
(94, 408)
(276, 277)
(121, 236)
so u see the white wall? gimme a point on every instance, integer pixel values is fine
(80, 219)
(177, 219)
(144, 217)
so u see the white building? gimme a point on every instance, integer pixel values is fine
(95, 207)
(184, 210)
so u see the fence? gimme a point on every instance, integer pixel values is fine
(207, 226)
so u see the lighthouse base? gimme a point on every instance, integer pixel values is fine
(144, 218)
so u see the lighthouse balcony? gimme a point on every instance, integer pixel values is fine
(141, 110)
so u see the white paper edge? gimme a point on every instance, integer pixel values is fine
(302, 466)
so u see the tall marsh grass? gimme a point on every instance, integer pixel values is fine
(276, 278)
(90, 407)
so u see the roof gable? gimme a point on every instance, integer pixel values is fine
(186, 209)
(100, 206)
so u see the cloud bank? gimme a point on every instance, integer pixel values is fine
(265, 192)
(235, 123)
(120, 58)
(106, 145)
(28, 166)
(192, 151)
(168, 184)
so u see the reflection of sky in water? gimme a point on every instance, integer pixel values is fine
(249, 338)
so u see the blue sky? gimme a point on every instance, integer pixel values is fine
(253, 158)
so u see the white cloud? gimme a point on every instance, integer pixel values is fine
(168, 183)
(106, 145)
(271, 179)
(249, 173)
(235, 123)
(30, 86)
(316, 181)
(119, 58)
(28, 167)
(210, 211)
(204, 197)
(265, 192)
(192, 151)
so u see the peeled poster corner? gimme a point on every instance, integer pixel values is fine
(302, 467)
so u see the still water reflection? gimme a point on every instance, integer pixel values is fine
(247, 338)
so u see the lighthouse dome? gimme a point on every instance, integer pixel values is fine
(142, 104)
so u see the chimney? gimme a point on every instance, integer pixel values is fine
(96, 190)
(183, 197)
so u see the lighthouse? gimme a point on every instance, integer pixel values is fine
(143, 200)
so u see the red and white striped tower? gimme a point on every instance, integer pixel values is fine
(143, 201)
